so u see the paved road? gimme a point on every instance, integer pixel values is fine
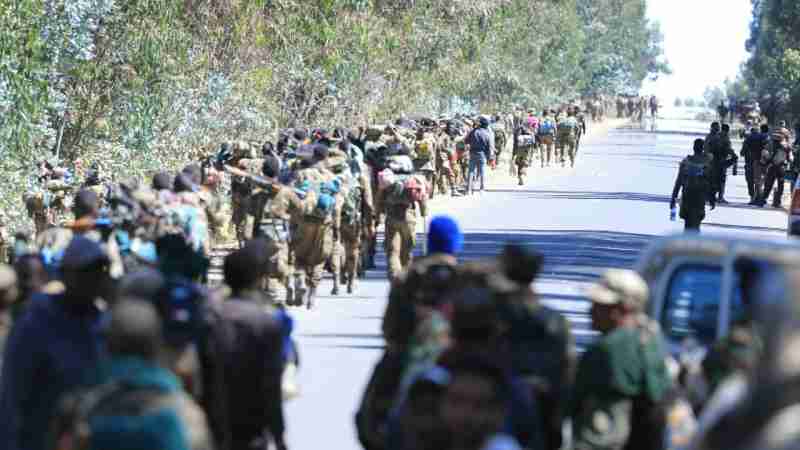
(597, 215)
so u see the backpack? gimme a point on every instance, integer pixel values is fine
(567, 127)
(695, 179)
(405, 190)
(547, 127)
(325, 202)
(121, 416)
(351, 209)
(424, 149)
(400, 164)
(525, 141)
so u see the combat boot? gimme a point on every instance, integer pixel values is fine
(352, 285)
(335, 290)
(312, 292)
(289, 295)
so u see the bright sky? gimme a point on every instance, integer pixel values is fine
(703, 42)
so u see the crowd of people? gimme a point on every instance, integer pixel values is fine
(770, 160)
(112, 330)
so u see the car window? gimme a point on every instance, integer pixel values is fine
(691, 308)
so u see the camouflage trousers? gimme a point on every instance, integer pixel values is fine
(401, 237)
(546, 148)
(566, 148)
(241, 219)
(312, 245)
(352, 246)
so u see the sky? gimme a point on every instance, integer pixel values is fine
(703, 43)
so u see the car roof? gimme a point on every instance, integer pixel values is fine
(778, 251)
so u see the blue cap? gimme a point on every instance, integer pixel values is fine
(444, 236)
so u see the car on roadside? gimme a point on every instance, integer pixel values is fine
(694, 280)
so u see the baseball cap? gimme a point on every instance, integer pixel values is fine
(620, 287)
(83, 252)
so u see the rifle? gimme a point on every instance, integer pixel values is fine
(257, 180)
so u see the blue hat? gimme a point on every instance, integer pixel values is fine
(444, 236)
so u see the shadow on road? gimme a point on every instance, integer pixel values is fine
(586, 195)
(743, 227)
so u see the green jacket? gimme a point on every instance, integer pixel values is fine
(620, 376)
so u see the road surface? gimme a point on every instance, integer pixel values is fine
(595, 216)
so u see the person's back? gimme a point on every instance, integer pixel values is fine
(51, 346)
(244, 358)
(130, 401)
(480, 140)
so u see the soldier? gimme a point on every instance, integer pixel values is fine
(240, 188)
(357, 223)
(446, 161)
(694, 181)
(275, 205)
(546, 135)
(524, 142)
(718, 146)
(425, 148)
(610, 408)
(780, 154)
(400, 202)
(316, 231)
(567, 137)
(754, 145)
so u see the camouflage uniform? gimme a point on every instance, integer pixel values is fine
(401, 231)
(241, 209)
(274, 209)
(546, 141)
(445, 162)
(622, 380)
(313, 239)
(567, 143)
(524, 143)
(356, 224)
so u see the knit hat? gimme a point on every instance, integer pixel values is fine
(444, 236)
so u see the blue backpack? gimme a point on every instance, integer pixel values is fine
(547, 127)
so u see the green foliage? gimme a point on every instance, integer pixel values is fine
(678, 102)
(146, 85)
(773, 69)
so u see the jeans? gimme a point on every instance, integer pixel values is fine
(477, 161)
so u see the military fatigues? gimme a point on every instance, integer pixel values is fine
(274, 210)
(401, 232)
(546, 141)
(567, 142)
(693, 198)
(719, 147)
(314, 239)
(445, 161)
(524, 144)
(356, 225)
(618, 384)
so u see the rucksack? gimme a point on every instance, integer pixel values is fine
(325, 202)
(547, 127)
(695, 180)
(122, 416)
(351, 208)
(400, 164)
(567, 127)
(525, 141)
(424, 149)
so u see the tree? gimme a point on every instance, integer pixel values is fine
(689, 102)
(678, 102)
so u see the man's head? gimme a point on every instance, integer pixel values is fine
(135, 329)
(31, 274)
(444, 236)
(474, 404)
(244, 268)
(86, 204)
(162, 181)
(483, 121)
(726, 128)
(765, 128)
(271, 167)
(194, 172)
(84, 269)
(715, 127)
(699, 144)
(521, 264)
(619, 296)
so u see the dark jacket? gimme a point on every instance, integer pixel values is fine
(49, 352)
(480, 140)
(243, 359)
(753, 145)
